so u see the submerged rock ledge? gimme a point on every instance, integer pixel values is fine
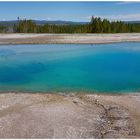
(24, 115)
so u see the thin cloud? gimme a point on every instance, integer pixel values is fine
(125, 17)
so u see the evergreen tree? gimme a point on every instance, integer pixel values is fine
(96, 25)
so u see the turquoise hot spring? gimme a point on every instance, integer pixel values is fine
(103, 68)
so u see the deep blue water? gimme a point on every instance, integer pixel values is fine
(70, 68)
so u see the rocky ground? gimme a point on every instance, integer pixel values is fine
(24, 115)
(67, 38)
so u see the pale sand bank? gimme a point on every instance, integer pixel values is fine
(25, 115)
(67, 38)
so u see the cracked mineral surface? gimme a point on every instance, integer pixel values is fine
(24, 115)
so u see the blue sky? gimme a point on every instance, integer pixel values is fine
(70, 11)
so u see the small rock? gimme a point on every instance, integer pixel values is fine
(75, 101)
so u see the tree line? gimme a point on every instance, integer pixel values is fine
(96, 25)
(2, 29)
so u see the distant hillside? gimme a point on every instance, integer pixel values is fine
(57, 22)
(8, 23)
(42, 22)
(138, 22)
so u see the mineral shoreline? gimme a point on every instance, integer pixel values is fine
(24, 115)
(16, 38)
